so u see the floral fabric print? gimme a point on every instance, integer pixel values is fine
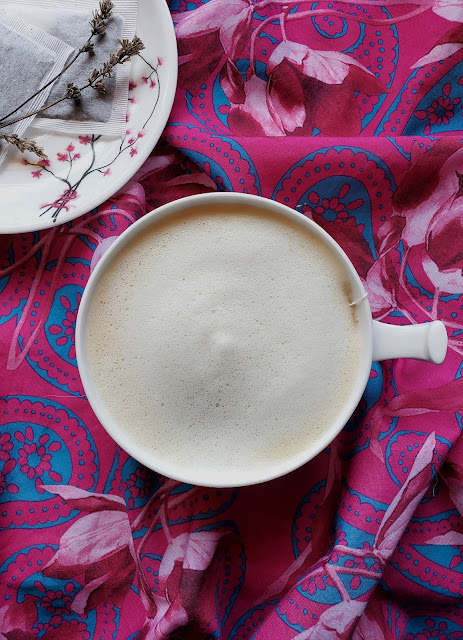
(352, 115)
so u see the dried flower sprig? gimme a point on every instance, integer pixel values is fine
(73, 92)
(128, 49)
(98, 19)
(23, 144)
(98, 28)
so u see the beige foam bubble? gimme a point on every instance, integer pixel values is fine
(233, 337)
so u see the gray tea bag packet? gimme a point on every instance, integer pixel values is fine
(69, 21)
(92, 105)
(31, 58)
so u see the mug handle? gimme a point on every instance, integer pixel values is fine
(426, 341)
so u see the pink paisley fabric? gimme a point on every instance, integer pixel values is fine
(351, 114)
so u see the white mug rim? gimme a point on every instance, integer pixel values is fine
(205, 477)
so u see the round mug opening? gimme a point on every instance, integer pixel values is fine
(204, 476)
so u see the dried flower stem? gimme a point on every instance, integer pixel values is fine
(98, 28)
(23, 144)
(128, 49)
(45, 86)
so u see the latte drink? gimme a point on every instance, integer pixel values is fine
(223, 338)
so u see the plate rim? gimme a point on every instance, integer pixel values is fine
(42, 224)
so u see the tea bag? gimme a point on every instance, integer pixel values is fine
(93, 105)
(94, 113)
(30, 59)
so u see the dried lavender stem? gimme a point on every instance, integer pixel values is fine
(23, 144)
(98, 28)
(126, 52)
(45, 86)
(33, 113)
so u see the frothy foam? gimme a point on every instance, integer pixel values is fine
(223, 339)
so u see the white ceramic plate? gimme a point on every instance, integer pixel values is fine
(84, 171)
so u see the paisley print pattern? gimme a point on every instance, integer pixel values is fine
(348, 114)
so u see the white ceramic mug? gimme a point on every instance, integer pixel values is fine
(380, 341)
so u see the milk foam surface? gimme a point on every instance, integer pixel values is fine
(223, 339)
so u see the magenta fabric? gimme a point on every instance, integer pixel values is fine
(352, 114)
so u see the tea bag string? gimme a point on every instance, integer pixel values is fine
(356, 302)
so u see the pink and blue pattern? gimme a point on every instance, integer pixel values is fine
(348, 114)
